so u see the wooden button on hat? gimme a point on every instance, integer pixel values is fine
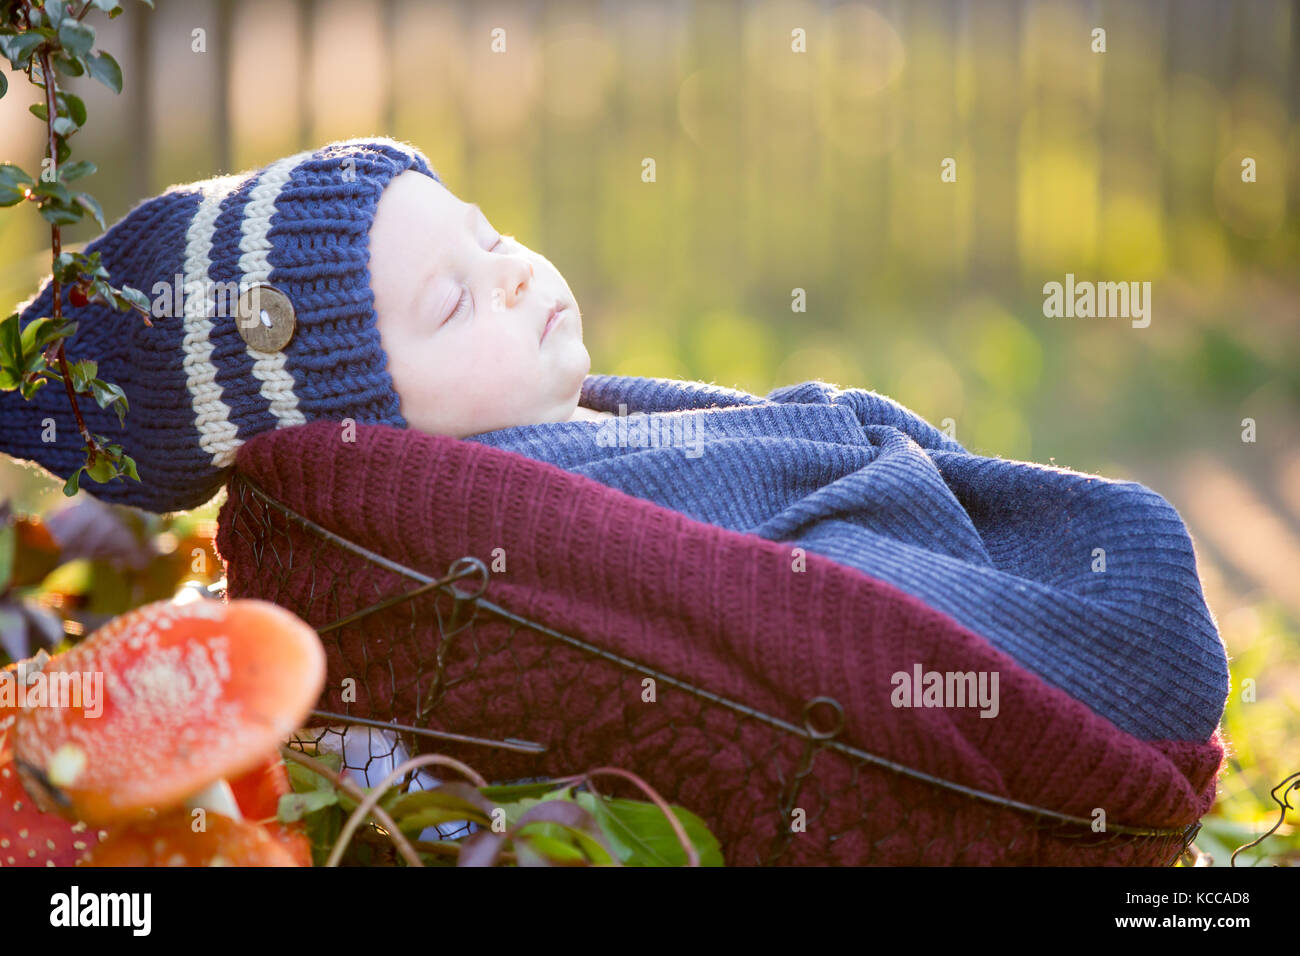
(265, 317)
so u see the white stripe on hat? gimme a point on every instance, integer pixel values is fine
(217, 433)
(255, 266)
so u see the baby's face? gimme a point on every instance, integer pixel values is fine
(463, 316)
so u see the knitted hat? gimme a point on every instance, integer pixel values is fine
(198, 385)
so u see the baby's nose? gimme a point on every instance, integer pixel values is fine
(515, 281)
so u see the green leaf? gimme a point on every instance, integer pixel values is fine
(108, 6)
(8, 545)
(105, 69)
(75, 106)
(417, 809)
(82, 373)
(55, 11)
(39, 333)
(82, 167)
(92, 206)
(64, 126)
(72, 66)
(641, 835)
(39, 111)
(107, 394)
(30, 386)
(128, 464)
(4, 85)
(541, 850)
(19, 48)
(136, 298)
(76, 37)
(103, 470)
(295, 806)
(11, 343)
(57, 215)
(36, 334)
(54, 189)
(35, 365)
(70, 486)
(304, 779)
(11, 175)
(509, 793)
(561, 819)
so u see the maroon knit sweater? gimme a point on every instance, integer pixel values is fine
(723, 612)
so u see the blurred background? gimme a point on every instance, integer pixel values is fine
(778, 170)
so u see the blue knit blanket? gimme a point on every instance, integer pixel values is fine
(1090, 583)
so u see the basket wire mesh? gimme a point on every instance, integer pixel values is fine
(439, 667)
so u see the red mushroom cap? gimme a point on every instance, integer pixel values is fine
(258, 794)
(29, 837)
(192, 693)
(170, 840)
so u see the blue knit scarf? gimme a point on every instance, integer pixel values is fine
(1090, 583)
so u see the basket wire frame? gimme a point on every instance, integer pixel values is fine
(455, 632)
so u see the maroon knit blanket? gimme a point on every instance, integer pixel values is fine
(665, 601)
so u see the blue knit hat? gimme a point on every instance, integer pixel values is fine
(197, 389)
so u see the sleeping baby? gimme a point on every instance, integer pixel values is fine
(454, 297)
(349, 284)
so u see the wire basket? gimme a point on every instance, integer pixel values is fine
(422, 665)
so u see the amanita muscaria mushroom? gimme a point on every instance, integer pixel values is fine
(29, 837)
(193, 694)
(258, 794)
(170, 840)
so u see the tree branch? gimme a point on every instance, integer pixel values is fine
(51, 112)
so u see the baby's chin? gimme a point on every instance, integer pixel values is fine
(574, 370)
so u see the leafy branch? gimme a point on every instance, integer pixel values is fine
(43, 39)
(558, 822)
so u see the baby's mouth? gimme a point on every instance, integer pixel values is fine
(557, 314)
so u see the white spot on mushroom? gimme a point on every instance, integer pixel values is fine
(66, 765)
